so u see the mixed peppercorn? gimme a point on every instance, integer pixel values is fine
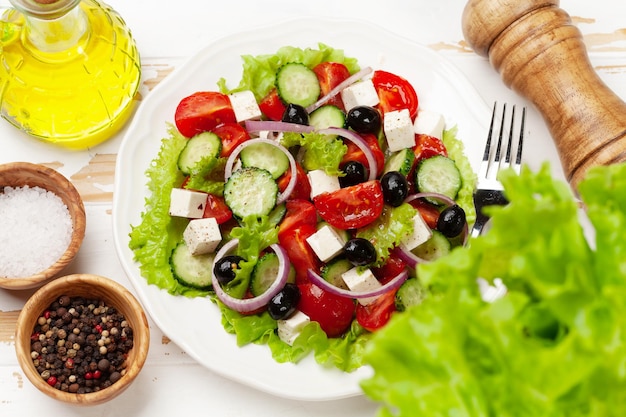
(80, 345)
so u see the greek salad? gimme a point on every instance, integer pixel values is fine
(302, 200)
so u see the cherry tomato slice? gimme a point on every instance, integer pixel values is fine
(232, 135)
(390, 269)
(330, 75)
(299, 223)
(354, 153)
(202, 111)
(272, 106)
(303, 186)
(376, 314)
(429, 212)
(427, 146)
(394, 93)
(217, 208)
(351, 207)
(334, 313)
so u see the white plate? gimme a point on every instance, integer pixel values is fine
(440, 86)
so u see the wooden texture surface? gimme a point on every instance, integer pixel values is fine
(541, 55)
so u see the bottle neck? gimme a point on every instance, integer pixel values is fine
(58, 34)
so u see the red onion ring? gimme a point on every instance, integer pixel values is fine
(394, 283)
(256, 126)
(342, 85)
(251, 304)
(230, 162)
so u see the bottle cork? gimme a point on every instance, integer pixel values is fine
(540, 54)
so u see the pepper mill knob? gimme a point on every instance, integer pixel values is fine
(541, 55)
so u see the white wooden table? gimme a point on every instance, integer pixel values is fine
(168, 33)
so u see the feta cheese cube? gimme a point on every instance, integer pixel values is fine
(187, 203)
(399, 130)
(321, 182)
(326, 243)
(245, 105)
(202, 235)
(429, 123)
(359, 281)
(289, 329)
(266, 134)
(421, 233)
(362, 93)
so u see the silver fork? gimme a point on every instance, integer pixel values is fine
(489, 190)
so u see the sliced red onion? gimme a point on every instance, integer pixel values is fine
(230, 162)
(394, 283)
(411, 259)
(441, 197)
(341, 86)
(256, 126)
(246, 305)
(360, 143)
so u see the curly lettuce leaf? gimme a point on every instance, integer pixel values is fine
(456, 152)
(320, 151)
(259, 72)
(553, 346)
(386, 232)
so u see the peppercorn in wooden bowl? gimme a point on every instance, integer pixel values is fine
(42, 218)
(82, 339)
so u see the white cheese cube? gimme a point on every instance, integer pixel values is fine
(362, 93)
(398, 129)
(245, 106)
(266, 134)
(326, 243)
(187, 203)
(289, 329)
(429, 123)
(202, 235)
(360, 281)
(321, 182)
(421, 233)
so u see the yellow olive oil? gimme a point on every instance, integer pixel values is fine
(70, 80)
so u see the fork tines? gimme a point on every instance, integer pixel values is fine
(493, 159)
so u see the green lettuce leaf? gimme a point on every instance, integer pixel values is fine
(553, 346)
(320, 151)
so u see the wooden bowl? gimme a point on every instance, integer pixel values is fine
(20, 174)
(93, 287)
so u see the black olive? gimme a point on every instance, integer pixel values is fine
(363, 119)
(284, 303)
(395, 188)
(451, 221)
(356, 173)
(294, 113)
(359, 251)
(224, 269)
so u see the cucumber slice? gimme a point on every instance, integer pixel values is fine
(332, 271)
(409, 294)
(297, 84)
(265, 272)
(266, 156)
(434, 248)
(438, 174)
(327, 116)
(401, 161)
(251, 191)
(277, 214)
(203, 145)
(191, 270)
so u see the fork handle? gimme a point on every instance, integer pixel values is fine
(541, 55)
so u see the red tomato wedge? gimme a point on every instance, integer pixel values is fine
(232, 135)
(354, 153)
(395, 93)
(376, 314)
(303, 186)
(299, 223)
(330, 75)
(217, 208)
(272, 106)
(351, 207)
(427, 146)
(203, 111)
(334, 313)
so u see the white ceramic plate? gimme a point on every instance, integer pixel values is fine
(440, 86)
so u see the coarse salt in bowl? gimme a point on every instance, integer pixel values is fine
(42, 218)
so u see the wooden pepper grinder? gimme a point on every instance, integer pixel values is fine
(540, 54)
